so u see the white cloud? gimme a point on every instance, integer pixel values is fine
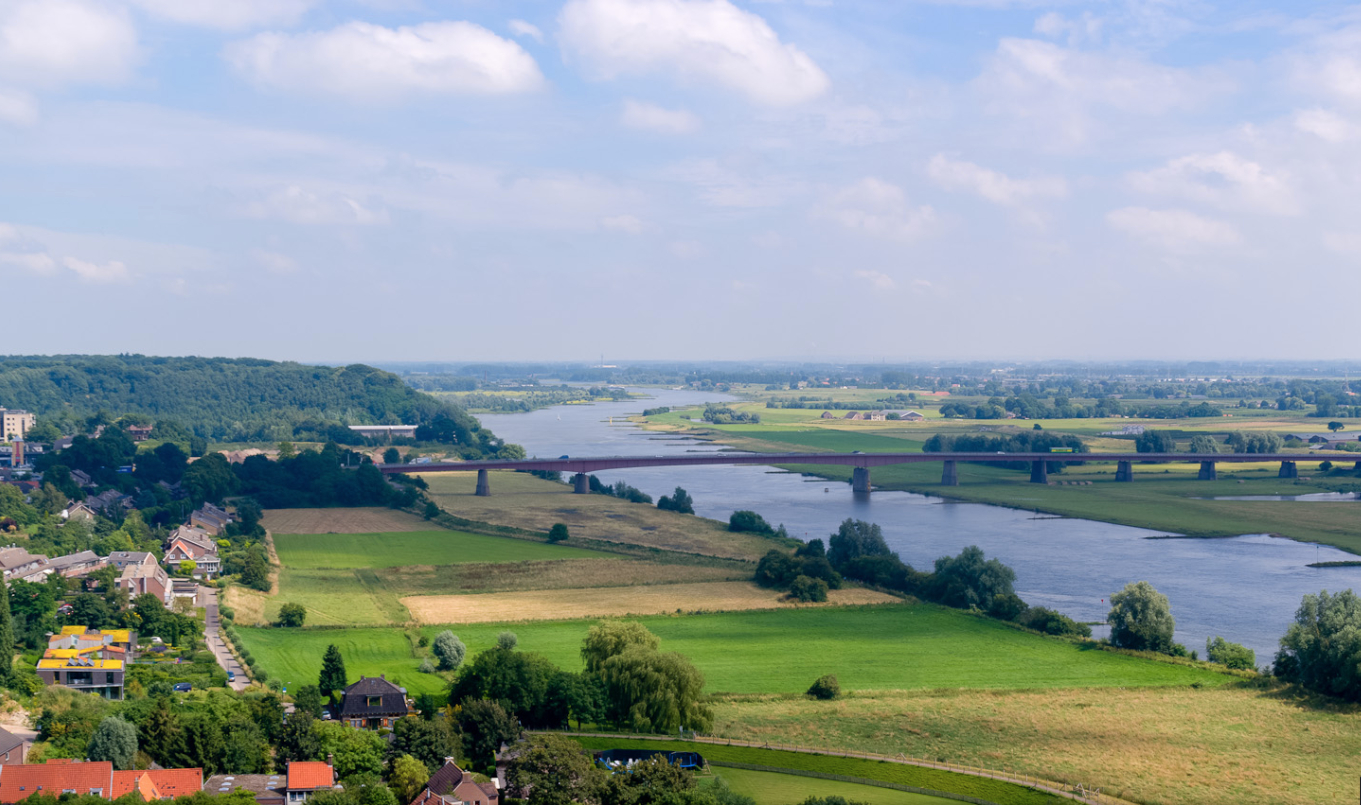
(881, 282)
(110, 272)
(645, 116)
(954, 174)
(229, 15)
(1175, 230)
(875, 207)
(1064, 91)
(1223, 180)
(370, 61)
(724, 186)
(299, 206)
(53, 42)
(1326, 125)
(522, 28)
(708, 41)
(1086, 28)
(17, 108)
(622, 223)
(274, 262)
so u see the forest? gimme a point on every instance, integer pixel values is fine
(224, 399)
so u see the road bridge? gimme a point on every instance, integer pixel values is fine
(862, 462)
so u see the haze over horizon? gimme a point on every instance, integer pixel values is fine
(384, 180)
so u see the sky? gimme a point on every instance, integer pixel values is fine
(365, 180)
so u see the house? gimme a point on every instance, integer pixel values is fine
(373, 702)
(18, 563)
(190, 544)
(81, 477)
(109, 501)
(450, 784)
(139, 433)
(82, 672)
(59, 776)
(79, 637)
(76, 564)
(301, 781)
(142, 577)
(184, 588)
(912, 416)
(827, 415)
(854, 415)
(877, 416)
(79, 512)
(12, 748)
(211, 519)
(384, 431)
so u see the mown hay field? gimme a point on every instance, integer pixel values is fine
(359, 520)
(406, 548)
(884, 647)
(655, 599)
(524, 501)
(1239, 744)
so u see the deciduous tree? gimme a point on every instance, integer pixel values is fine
(1141, 619)
(448, 650)
(1322, 648)
(115, 740)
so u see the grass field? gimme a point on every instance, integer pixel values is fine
(405, 548)
(523, 501)
(887, 647)
(997, 791)
(1239, 744)
(769, 788)
(536, 605)
(359, 520)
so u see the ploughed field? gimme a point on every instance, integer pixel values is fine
(884, 647)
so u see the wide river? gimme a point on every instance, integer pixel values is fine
(1245, 588)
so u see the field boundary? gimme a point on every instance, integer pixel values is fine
(1051, 787)
(843, 778)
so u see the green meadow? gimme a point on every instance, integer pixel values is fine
(996, 791)
(771, 788)
(407, 548)
(887, 647)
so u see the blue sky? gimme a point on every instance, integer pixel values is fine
(416, 179)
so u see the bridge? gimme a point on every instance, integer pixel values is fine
(862, 462)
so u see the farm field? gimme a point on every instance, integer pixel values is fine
(524, 501)
(405, 548)
(1239, 744)
(357, 520)
(997, 791)
(885, 647)
(769, 788)
(526, 605)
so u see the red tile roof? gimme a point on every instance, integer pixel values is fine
(157, 783)
(22, 781)
(308, 774)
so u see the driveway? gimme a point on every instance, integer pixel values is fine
(213, 636)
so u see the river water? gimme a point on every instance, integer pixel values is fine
(1245, 589)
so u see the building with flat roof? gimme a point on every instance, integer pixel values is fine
(14, 424)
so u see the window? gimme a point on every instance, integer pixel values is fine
(375, 701)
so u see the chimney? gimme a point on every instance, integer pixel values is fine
(331, 761)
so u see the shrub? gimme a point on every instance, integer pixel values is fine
(777, 569)
(427, 667)
(558, 532)
(1044, 619)
(1007, 606)
(448, 650)
(808, 589)
(292, 615)
(744, 521)
(507, 641)
(1231, 655)
(825, 688)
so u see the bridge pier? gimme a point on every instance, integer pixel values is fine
(860, 480)
(483, 484)
(1288, 470)
(1039, 472)
(1124, 471)
(1207, 471)
(949, 475)
(581, 484)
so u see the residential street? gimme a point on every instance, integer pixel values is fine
(215, 642)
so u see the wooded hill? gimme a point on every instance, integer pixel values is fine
(225, 399)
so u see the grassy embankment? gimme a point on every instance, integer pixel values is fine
(1162, 497)
(887, 647)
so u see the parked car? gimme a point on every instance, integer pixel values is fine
(231, 677)
(183, 687)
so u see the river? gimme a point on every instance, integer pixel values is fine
(1245, 589)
